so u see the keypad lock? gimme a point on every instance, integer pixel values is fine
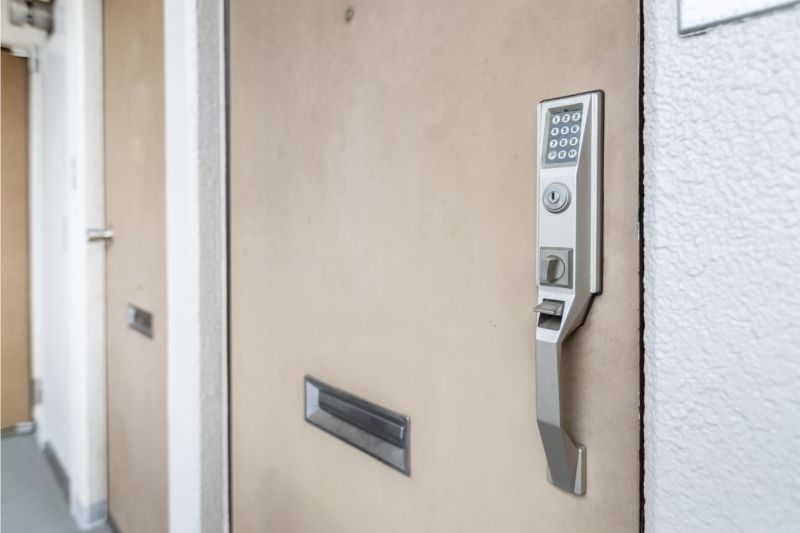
(569, 260)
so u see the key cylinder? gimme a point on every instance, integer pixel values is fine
(555, 197)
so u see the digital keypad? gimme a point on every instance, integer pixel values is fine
(563, 136)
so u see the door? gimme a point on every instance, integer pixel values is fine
(383, 207)
(15, 333)
(136, 265)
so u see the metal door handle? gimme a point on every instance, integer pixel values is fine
(99, 234)
(566, 461)
(569, 235)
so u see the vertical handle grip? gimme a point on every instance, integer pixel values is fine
(566, 461)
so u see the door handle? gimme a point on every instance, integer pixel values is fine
(566, 460)
(568, 262)
(99, 234)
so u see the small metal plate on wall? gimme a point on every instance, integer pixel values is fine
(697, 16)
(140, 320)
(375, 430)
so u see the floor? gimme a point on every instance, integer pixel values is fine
(32, 501)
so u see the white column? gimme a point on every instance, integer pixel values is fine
(87, 390)
(196, 265)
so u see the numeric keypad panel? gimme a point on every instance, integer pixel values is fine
(563, 136)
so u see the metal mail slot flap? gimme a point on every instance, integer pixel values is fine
(381, 425)
(375, 430)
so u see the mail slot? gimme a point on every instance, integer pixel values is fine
(375, 430)
(140, 320)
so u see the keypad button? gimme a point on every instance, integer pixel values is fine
(556, 119)
(553, 143)
(573, 141)
(562, 154)
(562, 143)
(554, 131)
(566, 118)
(572, 153)
(576, 116)
(575, 129)
(551, 155)
(565, 130)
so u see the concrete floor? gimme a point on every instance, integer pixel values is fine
(32, 502)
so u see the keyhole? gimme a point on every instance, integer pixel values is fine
(555, 197)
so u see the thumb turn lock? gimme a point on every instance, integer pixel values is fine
(554, 268)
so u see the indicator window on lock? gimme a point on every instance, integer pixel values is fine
(563, 135)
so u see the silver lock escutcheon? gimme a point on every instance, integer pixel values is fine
(556, 197)
(569, 257)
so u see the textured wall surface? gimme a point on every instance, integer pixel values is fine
(722, 278)
(50, 249)
(86, 261)
(196, 344)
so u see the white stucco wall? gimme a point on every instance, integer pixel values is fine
(722, 274)
(87, 347)
(52, 259)
(194, 78)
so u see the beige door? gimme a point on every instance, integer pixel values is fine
(136, 264)
(15, 332)
(383, 208)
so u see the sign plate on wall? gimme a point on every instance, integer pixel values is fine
(695, 16)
